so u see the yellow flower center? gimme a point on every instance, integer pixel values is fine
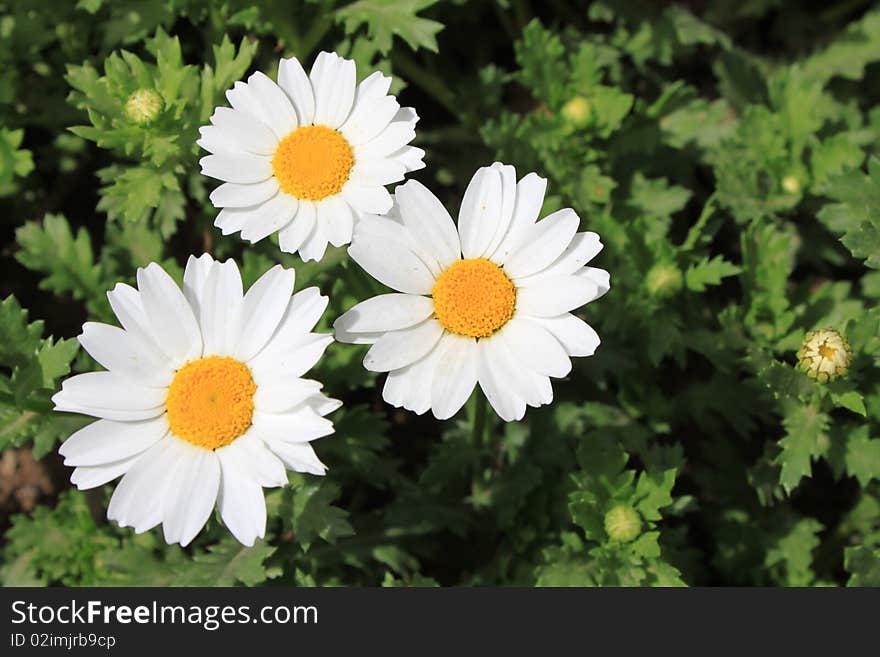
(313, 162)
(210, 401)
(474, 298)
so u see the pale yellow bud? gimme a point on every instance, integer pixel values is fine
(143, 106)
(825, 355)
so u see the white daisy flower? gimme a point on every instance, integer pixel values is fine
(202, 401)
(488, 302)
(308, 156)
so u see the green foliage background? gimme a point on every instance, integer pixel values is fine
(724, 150)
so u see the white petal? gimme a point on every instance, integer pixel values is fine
(129, 309)
(170, 316)
(220, 142)
(125, 355)
(244, 132)
(278, 359)
(90, 476)
(106, 395)
(367, 200)
(543, 244)
(233, 195)
(237, 168)
(244, 99)
(376, 172)
(583, 248)
(294, 234)
(480, 213)
(336, 219)
(600, 277)
(535, 347)
(508, 203)
(428, 221)
(140, 500)
(300, 457)
(394, 137)
(455, 375)
(549, 297)
(375, 85)
(493, 374)
(279, 397)
(529, 199)
(578, 337)
(221, 309)
(264, 305)
(105, 441)
(301, 424)
(410, 387)
(255, 461)
(295, 83)
(386, 312)
(315, 245)
(192, 495)
(232, 220)
(410, 157)
(302, 313)
(398, 349)
(516, 384)
(240, 501)
(380, 246)
(275, 105)
(195, 275)
(272, 216)
(368, 118)
(333, 79)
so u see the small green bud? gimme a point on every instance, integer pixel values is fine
(623, 523)
(791, 184)
(143, 106)
(825, 355)
(664, 280)
(577, 111)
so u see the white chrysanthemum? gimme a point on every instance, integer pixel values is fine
(203, 401)
(488, 302)
(308, 156)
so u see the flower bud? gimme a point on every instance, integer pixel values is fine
(825, 355)
(664, 280)
(143, 106)
(791, 184)
(623, 523)
(577, 111)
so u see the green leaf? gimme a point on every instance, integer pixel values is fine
(388, 18)
(313, 514)
(851, 400)
(67, 261)
(227, 563)
(709, 272)
(805, 439)
(863, 456)
(863, 565)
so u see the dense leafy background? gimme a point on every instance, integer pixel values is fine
(723, 149)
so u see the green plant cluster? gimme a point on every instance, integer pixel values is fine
(727, 153)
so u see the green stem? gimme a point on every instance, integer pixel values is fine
(478, 418)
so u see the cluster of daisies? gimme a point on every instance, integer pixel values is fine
(203, 401)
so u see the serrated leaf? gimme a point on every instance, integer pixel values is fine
(67, 261)
(805, 439)
(709, 272)
(863, 565)
(863, 456)
(388, 18)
